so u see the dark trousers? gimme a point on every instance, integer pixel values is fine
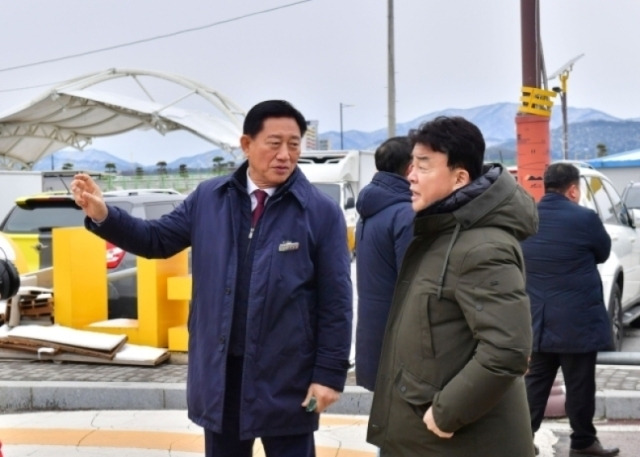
(229, 444)
(579, 372)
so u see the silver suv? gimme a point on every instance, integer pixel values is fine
(30, 221)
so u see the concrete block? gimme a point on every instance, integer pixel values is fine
(354, 400)
(112, 395)
(14, 396)
(175, 396)
(622, 404)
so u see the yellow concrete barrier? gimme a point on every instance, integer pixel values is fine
(79, 277)
(80, 292)
(156, 312)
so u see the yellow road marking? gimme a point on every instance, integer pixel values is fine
(171, 441)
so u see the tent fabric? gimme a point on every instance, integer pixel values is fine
(74, 112)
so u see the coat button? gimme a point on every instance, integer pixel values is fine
(479, 307)
(403, 388)
(227, 291)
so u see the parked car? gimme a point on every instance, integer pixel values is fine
(30, 221)
(620, 274)
(631, 195)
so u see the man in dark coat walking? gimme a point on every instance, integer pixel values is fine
(270, 316)
(383, 233)
(569, 319)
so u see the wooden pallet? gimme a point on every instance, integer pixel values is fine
(34, 303)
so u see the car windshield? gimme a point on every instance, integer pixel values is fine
(632, 197)
(42, 218)
(332, 190)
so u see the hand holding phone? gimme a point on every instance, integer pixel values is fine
(311, 407)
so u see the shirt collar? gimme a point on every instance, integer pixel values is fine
(252, 187)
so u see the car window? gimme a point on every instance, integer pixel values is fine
(332, 190)
(606, 208)
(618, 206)
(632, 197)
(38, 219)
(586, 196)
(157, 210)
(126, 206)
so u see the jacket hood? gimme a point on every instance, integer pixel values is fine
(385, 189)
(498, 201)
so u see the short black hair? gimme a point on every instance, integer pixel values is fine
(459, 139)
(254, 120)
(558, 177)
(394, 155)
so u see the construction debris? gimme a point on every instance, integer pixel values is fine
(58, 343)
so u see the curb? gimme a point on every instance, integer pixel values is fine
(69, 396)
(18, 396)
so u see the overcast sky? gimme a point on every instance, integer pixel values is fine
(319, 53)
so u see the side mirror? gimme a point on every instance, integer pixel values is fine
(350, 203)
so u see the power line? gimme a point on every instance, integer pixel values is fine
(146, 40)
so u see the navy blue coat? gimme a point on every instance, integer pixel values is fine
(382, 235)
(567, 309)
(300, 297)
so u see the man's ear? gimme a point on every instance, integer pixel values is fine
(462, 178)
(573, 193)
(245, 141)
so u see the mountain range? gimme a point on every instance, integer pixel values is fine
(587, 128)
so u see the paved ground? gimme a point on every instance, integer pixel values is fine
(169, 433)
(608, 377)
(38, 385)
(148, 434)
(60, 409)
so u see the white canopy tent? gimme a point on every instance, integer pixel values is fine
(72, 113)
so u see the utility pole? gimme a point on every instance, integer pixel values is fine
(563, 75)
(341, 129)
(342, 107)
(532, 120)
(391, 74)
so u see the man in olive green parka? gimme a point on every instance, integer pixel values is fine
(458, 337)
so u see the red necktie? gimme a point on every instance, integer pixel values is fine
(261, 196)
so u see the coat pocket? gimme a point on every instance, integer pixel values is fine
(417, 393)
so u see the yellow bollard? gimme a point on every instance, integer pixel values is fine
(179, 288)
(156, 312)
(79, 277)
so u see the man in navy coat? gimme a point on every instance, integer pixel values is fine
(570, 321)
(271, 309)
(384, 231)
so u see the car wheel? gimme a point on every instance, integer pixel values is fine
(615, 316)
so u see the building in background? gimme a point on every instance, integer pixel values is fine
(311, 137)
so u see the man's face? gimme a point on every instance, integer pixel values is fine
(273, 153)
(430, 177)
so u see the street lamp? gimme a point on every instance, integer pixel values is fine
(563, 74)
(342, 106)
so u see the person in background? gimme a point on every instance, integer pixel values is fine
(570, 321)
(383, 233)
(451, 375)
(271, 311)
